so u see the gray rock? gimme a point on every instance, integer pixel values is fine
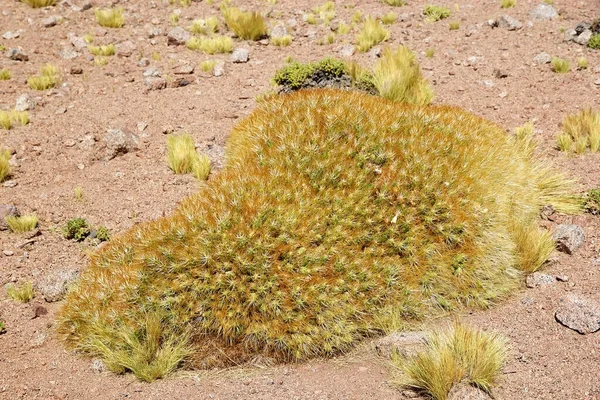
(568, 237)
(179, 82)
(11, 35)
(68, 54)
(538, 279)
(154, 32)
(184, 70)
(579, 313)
(543, 12)
(77, 41)
(240, 55)
(118, 142)
(584, 37)
(279, 31)
(155, 83)
(581, 27)
(7, 210)
(24, 103)
(98, 365)
(144, 62)
(54, 285)
(543, 58)
(151, 72)
(177, 36)
(51, 21)
(219, 69)
(508, 22)
(462, 391)
(347, 50)
(125, 49)
(17, 55)
(404, 343)
(375, 52)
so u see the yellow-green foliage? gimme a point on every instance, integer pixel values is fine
(389, 18)
(181, 153)
(110, 17)
(204, 26)
(48, 78)
(211, 45)
(507, 3)
(4, 74)
(208, 65)
(343, 29)
(582, 63)
(453, 26)
(245, 25)
(580, 130)
(24, 223)
(560, 66)
(397, 76)
(201, 167)
(39, 3)
(326, 11)
(23, 293)
(282, 41)
(4, 165)
(436, 13)
(395, 3)
(105, 50)
(174, 18)
(371, 34)
(8, 118)
(429, 53)
(336, 213)
(592, 202)
(357, 16)
(310, 18)
(295, 75)
(459, 354)
(88, 38)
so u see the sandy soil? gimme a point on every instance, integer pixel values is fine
(57, 152)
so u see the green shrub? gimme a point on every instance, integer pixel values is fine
(592, 202)
(77, 229)
(337, 215)
(594, 42)
(102, 234)
(436, 13)
(560, 66)
(296, 75)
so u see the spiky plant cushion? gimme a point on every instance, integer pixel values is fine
(338, 215)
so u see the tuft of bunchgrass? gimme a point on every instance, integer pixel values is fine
(39, 3)
(206, 26)
(183, 158)
(397, 76)
(430, 52)
(4, 165)
(507, 3)
(201, 167)
(48, 78)
(208, 65)
(325, 11)
(454, 26)
(104, 50)
(24, 223)
(110, 17)
(211, 45)
(281, 41)
(580, 131)
(582, 63)
(371, 34)
(457, 354)
(23, 293)
(594, 42)
(8, 118)
(592, 202)
(389, 18)
(5, 74)
(336, 216)
(245, 25)
(295, 75)
(436, 13)
(560, 66)
(395, 3)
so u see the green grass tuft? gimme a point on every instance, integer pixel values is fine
(4, 165)
(110, 17)
(204, 26)
(436, 13)
(5, 74)
(282, 41)
(48, 78)
(8, 118)
(580, 131)
(594, 42)
(23, 293)
(560, 66)
(395, 3)
(507, 3)
(245, 25)
(22, 224)
(371, 34)
(104, 50)
(39, 3)
(211, 45)
(592, 202)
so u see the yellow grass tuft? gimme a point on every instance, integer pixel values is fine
(435, 13)
(48, 78)
(560, 66)
(104, 50)
(183, 158)
(208, 65)
(245, 25)
(211, 45)
(204, 26)
(23, 293)
(8, 118)
(24, 223)
(4, 165)
(395, 3)
(580, 131)
(282, 41)
(201, 167)
(4, 74)
(459, 354)
(39, 3)
(371, 34)
(397, 76)
(507, 3)
(110, 17)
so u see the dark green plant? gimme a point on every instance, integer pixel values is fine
(77, 229)
(296, 75)
(337, 216)
(594, 42)
(2, 328)
(592, 202)
(102, 234)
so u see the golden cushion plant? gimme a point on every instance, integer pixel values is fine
(338, 215)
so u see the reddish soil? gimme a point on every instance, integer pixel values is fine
(53, 157)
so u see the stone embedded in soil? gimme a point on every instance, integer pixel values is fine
(177, 36)
(568, 237)
(155, 83)
(24, 103)
(53, 286)
(151, 72)
(68, 54)
(77, 41)
(543, 12)
(11, 35)
(462, 391)
(118, 142)
(583, 38)
(579, 313)
(17, 55)
(219, 69)
(144, 62)
(7, 210)
(125, 49)
(184, 70)
(179, 82)
(405, 343)
(51, 21)
(543, 58)
(508, 22)
(38, 311)
(240, 55)
(347, 50)
(76, 70)
(538, 279)
(98, 365)
(279, 31)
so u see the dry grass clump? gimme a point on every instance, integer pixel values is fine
(204, 26)
(23, 293)
(371, 34)
(337, 215)
(4, 165)
(282, 41)
(459, 354)
(397, 76)
(183, 158)
(8, 118)
(395, 3)
(592, 202)
(39, 3)
(325, 11)
(104, 50)
(211, 45)
(560, 66)
(110, 17)
(208, 65)
(507, 3)
(580, 131)
(5, 74)
(24, 223)
(245, 25)
(48, 78)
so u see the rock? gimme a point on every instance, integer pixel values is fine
(568, 237)
(11, 35)
(8, 253)
(179, 82)
(538, 279)
(98, 365)
(17, 55)
(543, 58)
(405, 343)
(155, 83)
(184, 70)
(547, 212)
(508, 22)
(543, 12)
(177, 36)
(68, 54)
(125, 49)
(10, 184)
(569, 35)
(144, 62)
(77, 41)
(118, 142)
(579, 313)
(141, 126)
(51, 21)
(76, 70)
(152, 72)
(375, 52)
(38, 311)
(462, 391)
(24, 103)
(500, 74)
(7, 210)
(347, 50)
(583, 38)
(279, 31)
(527, 301)
(54, 285)
(219, 69)
(240, 55)
(154, 32)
